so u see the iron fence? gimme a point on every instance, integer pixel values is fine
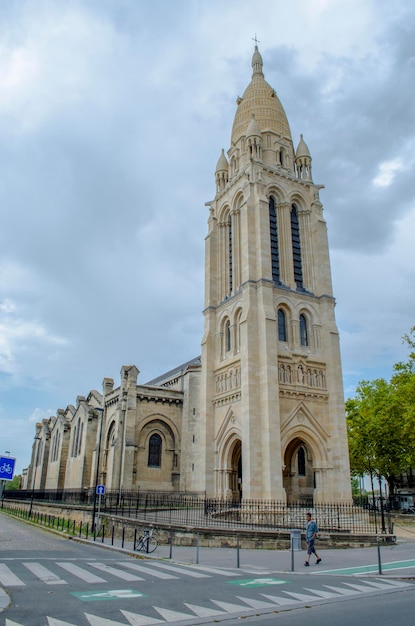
(184, 509)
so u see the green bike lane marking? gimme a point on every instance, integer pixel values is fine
(366, 569)
(114, 594)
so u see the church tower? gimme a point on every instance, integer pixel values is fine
(272, 405)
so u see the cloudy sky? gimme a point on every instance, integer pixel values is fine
(113, 114)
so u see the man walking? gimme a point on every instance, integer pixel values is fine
(311, 530)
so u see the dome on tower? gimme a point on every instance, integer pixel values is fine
(222, 164)
(302, 149)
(261, 100)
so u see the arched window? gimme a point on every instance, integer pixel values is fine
(230, 255)
(81, 430)
(303, 330)
(282, 326)
(273, 229)
(296, 244)
(301, 461)
(73, 449)
(228, 339)
(154, 451)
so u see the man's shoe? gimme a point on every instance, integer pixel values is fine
(307, 564)
(318, 561)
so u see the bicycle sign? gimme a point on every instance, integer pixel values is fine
(6, 468)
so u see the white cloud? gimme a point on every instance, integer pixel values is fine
(387, 172)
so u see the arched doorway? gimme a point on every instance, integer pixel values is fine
(298, 479)
(229, 475)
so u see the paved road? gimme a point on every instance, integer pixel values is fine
(52, 581)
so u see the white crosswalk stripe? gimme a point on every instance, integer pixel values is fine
(81, 573)
(103, 567)
(148, 571)
(172, 568)
(7, 578)
(44, 574)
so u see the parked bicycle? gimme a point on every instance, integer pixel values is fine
(146, 542)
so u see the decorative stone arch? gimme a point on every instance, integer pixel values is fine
(229, 458)
(237, 200)
(223, 214)
(302, 430)
(275, 192)
(298, 200)
(165, 474)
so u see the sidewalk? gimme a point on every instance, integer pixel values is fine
(397, 560)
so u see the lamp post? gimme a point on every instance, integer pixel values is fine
(36, 460)
(99, 410)
(122, 439)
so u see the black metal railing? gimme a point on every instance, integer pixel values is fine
(186, 509)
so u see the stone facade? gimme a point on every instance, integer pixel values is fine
(260, 415)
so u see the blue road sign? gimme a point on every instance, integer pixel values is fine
(100, 490)
(6, 468)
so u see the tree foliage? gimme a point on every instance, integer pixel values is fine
(381, 422)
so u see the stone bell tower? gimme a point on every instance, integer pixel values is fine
(272, 406)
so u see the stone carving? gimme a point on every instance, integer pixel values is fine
(310, 377)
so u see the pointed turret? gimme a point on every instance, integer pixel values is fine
(221, 173)
(303, 160)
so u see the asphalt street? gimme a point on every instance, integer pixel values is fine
(50, 580)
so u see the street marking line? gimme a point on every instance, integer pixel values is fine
(81, 573)
(149, 571)
(171, 568)
(371, 568)
(258, 582)
(214, 570)
(344, 592)
(280, 601)
(140, 620)
(94, 620)
(322, 593)
(172, 616)
(8, 579)
(229, 607)
(45, 575)
(116, 572)
(52, 621)
(303, 597)
(202, 611)
(256, 604)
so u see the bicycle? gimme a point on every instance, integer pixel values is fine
(146, 542)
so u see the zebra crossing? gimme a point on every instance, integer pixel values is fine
(240, 605)
(85, 573)
(16, 573)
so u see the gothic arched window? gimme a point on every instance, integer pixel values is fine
(228, 339)
(230, 268)
(273, 228)
(154, 451)
(303, 330)
(282, 326)
(301, 461)
(296, 244)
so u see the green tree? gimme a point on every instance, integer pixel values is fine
(13, 484)
(381, 423)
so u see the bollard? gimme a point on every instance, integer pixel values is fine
(292, 553)
(379, 558)
(171, 543)
(197, 548)
(238, 562)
